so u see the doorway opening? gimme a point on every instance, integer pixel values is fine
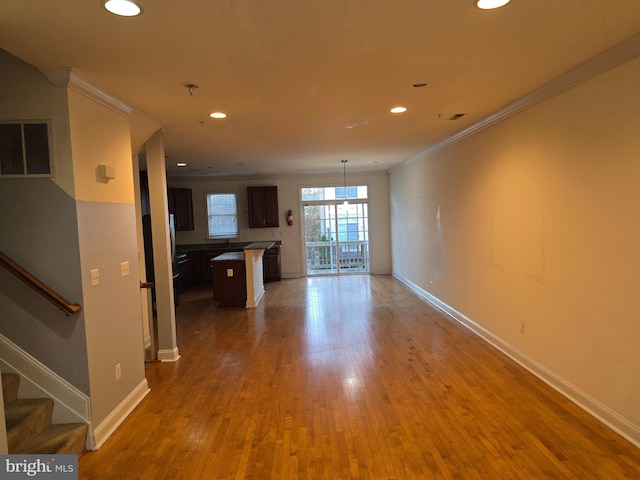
(336, 230)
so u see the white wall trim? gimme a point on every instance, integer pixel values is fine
(168, 354)
(37, 380)
(603, 413)
(103, 431)
(68, 77)
(601, 63)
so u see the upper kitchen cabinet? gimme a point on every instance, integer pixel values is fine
(181, 205)
(263, 207)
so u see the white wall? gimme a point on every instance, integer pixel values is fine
(107, 237)
(289, 199)
(539, 224)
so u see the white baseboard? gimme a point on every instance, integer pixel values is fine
(103, 431)
(36, 380)
(257, 299)
(613, 420)
(168, 355)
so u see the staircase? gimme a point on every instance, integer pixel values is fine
(29, 427)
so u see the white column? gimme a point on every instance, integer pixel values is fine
(156, 173)
(255, 284)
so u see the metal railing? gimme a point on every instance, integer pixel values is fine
(327, 256)
(56, 299)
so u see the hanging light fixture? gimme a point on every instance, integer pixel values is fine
(344, 169)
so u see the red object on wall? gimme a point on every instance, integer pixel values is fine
(289, 218)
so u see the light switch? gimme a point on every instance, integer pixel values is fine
(229, 272)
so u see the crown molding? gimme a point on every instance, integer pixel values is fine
(601, 63)
(68, 77)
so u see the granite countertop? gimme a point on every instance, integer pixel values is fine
(260, 246)
(229, 256)
(231, 246)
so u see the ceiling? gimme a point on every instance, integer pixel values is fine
(308, 83)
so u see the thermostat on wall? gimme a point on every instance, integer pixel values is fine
(106, 172)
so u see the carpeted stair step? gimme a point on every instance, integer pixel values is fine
(29, 427)
(10, 384)
(67, 438)
(26, 419)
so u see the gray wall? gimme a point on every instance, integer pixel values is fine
(62, 227)
(40, 232)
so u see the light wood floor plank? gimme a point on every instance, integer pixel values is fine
(349, 378)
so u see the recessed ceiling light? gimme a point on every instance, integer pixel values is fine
(124, 8)
(398, 109)
(218, 115)
(181, 164)
(491, 4)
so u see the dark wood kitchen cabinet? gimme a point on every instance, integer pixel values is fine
(263, 207)
(181, 206)
(271, 268)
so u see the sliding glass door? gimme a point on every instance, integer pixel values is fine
(336, 233)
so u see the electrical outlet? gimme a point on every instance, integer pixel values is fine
(124, 269)
(95, 277)
(118, 371)
(521, 327)
(229, 272)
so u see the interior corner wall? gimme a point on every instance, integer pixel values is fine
(534, 222)
(62, 227)
(107, 237)
(40, 232)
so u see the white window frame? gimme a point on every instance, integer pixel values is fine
(209, 216)
(336, 200)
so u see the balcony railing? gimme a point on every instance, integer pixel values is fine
(327, 256)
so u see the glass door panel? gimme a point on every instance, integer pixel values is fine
(353, 238)
(336, 238)
(320, 239)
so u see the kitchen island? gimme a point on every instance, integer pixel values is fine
(228, 275)
(237, 277)
(200, 255)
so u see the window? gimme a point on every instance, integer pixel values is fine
(25, 149)
(222, 215)
(354, 192)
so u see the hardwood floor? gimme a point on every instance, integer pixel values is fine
(349, 377)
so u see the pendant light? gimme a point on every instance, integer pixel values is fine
(344, 169)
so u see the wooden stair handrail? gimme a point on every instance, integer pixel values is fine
(67, 307)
